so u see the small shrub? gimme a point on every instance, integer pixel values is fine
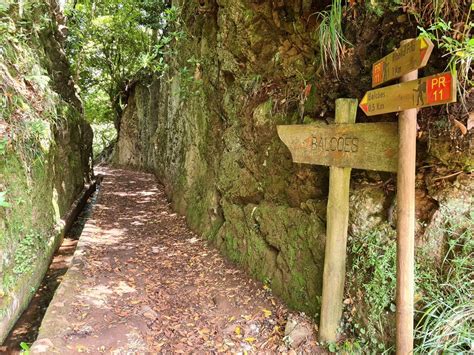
(446, 320)
(458, 46)
(373, 278)
(26, 252)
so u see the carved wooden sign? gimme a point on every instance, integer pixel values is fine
(341, 146)
(430, 91)
(410, 56)
(371, 146)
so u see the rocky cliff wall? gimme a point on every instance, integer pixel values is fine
(207, 128)
(45, 150)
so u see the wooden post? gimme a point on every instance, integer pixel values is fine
(336, 236)
(406, 226)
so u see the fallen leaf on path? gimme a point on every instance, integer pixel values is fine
(204, 331)
(81, 348)
(460, 126)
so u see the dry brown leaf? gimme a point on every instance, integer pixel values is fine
(204, 331)
(460, 126)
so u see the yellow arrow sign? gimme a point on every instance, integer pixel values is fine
(410, 56)
(430, 91)
(371, 146)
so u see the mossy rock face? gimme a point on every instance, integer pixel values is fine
(368, 208)
(40, 191)
(299, 239)
(453, 215)
(279, 245)
(43, 166)
(128, 151)
(449, 153)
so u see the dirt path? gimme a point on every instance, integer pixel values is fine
(142, 281)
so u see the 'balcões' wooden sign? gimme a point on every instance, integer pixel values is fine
(371, 146)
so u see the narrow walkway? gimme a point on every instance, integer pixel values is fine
(140, 282)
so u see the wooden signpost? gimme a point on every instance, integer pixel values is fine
(342, 146)
(374, 146)
(412, 93)
(412, 55)
(430, 91)
(406, 228)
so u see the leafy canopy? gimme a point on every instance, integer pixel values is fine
(112, 42)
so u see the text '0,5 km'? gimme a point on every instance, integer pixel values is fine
(371, 146)
(424, 92)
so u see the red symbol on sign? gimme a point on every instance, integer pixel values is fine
(377, 73)
(422, 54)
(439, 88)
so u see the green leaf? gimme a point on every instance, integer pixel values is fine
(4, 6)
(332, 347)
(4, 203)
(25, 347)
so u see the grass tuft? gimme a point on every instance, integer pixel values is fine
(331, 38)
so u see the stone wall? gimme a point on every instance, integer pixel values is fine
(45, 156)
